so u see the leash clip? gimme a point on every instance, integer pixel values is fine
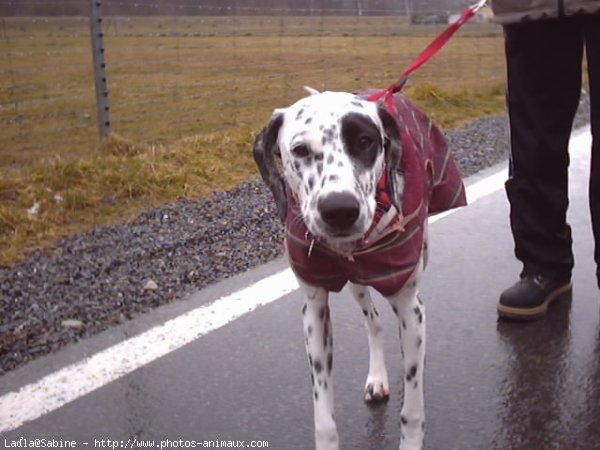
(310, 248)
(308, 237)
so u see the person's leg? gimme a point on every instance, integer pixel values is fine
(544, 82)
(544, 61)
(592, 42)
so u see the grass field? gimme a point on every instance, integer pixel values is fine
(187, 96)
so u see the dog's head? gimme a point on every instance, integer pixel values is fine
(334, 148)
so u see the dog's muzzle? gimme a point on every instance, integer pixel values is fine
(339, 211)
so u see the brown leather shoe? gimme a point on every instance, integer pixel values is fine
(530, 297)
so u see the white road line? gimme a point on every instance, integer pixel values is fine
(76, 380)
(61, 387)
(581, 141)
(477, 190)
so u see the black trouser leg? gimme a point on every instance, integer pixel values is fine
(592, 42)
(544, 61)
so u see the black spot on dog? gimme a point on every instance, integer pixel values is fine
(419, 314)
(304, 309)
(319, 157)
(323, 312)
(312, 379)
(300, 113)
(311, 182)
(316, 395)
(318, 366)
(340, 164)
(328, 135)
(365, 312)
(357, 104)
(336, 178)
(329, 363)
(395, 309)
(307, 121)
(403, 420)
(309, 330)
(362, 139)
(419, 341)
(411, 372)
(330, 159)
(320, 168)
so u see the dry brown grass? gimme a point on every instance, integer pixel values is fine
(185, 106)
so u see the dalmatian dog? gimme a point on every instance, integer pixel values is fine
(354, 185)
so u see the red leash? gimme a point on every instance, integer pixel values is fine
(425, 55)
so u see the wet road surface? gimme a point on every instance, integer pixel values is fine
(489, 384)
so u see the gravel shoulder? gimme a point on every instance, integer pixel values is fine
(94, 280)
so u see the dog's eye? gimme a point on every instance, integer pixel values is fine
(364, 143)
(301, 151)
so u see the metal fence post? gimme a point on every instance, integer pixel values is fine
(99, 68)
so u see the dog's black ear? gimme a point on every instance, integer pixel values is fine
(393, 156)
(265, 149)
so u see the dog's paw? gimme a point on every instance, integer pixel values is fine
(414, 445)
(410, 447)
(376, 390)
(412, 434)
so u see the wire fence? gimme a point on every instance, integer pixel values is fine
(175, 70)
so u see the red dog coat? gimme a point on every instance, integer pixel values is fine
(432, 184)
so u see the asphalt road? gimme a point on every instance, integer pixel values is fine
(489, 384)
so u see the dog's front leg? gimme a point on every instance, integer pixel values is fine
(411, 318)
(377, 387)
(319, 349)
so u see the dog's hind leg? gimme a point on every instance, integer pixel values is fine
(377, 387)
(318, 335)
(411, 318)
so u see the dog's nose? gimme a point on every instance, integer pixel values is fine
(339, 210)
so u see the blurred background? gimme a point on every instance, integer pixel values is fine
(189, 83)
(182, 67)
